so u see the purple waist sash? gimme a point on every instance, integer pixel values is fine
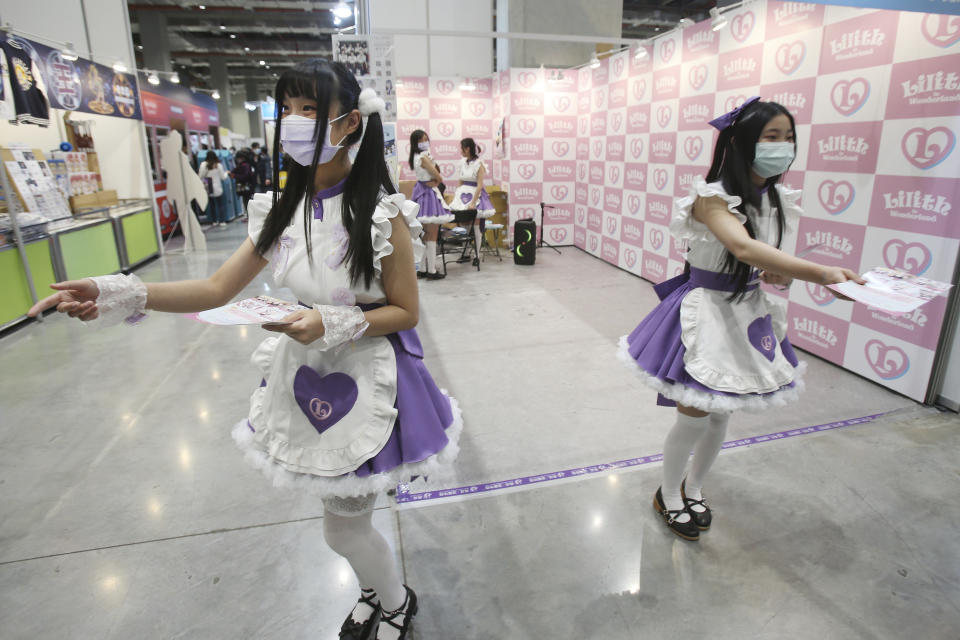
(469, 183)
(700, 278)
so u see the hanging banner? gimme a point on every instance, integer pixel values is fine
(951, 7)
(165, 101)
(83, 85)
(370, 59)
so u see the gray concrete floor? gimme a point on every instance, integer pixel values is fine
(126, 511)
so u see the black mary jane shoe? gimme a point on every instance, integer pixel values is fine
(402, 617)
(687, 530)
(353, 630)
(421, 274)
(435, 276)
(702, 518)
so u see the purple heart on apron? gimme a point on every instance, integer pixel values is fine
(465, 198)
(324, 399)
(760, 333)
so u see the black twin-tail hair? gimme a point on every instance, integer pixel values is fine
(415, 139)
(732, 158)
(472, 148)
(369, 179)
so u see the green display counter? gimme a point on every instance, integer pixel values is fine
(136, 236)
(87, 250)
(15, 298)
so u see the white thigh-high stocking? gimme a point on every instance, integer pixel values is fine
(478, 236)
(431, 256)
(676, 451)
(704, 453)
(367, 551)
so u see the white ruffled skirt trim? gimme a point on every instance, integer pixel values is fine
(714, 403)
(429, 472)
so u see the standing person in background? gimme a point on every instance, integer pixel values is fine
(433, 208)
(470, 194)
(717, 343)
(211, 170)
(261, 165)
(246, 176)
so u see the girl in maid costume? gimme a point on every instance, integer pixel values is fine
(346, 409)
(434, 210)
(716, 343)
(470, 194)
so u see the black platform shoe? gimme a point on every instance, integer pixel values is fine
(353, 630)
(436, 276)
(421, 275)
(687, 530)
(702, 518)
(402, 617)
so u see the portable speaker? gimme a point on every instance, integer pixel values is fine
(524, 242)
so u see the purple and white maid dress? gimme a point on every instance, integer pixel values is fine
(467, 172)
(353, 419)
(698, 348)
(433, 208)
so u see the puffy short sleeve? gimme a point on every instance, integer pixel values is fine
(257, 210)
(684, 226)
(381, 229)
(790, 199)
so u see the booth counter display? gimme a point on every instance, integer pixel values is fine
(94, 242)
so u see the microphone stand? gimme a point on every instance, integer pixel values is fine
(544, 243)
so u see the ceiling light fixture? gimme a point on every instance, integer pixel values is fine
(153, 79)
(215, 95)
(718, 21)
(223, 27)
(468, 85)
(246, 49)
(342, 11)
(119, 67)
(336, 20)
(68, 53)
(684, 23)
(641, 53)
(175, 78)
(233, 36)
(263, 62)
(202, 7)
(594, 62)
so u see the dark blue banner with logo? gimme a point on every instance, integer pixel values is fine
(951, 7)
(83, 85)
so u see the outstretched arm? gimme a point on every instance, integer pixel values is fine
(733, 235)
(77, 298)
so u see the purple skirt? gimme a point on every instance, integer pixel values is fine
(483, 202)
(657, 349)
(431, 206)
(423, 411)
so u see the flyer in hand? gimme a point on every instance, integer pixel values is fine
(892, 291)
(259, 310)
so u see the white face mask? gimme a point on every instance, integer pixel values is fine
(296, 136)
(772, 158)
(424, 146)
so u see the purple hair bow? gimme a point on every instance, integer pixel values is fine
(727, 119)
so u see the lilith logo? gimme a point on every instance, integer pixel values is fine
(848, 96)
(527, 126)
(596, 173)
(560, 171)
(656, 238)
(792, 12)
(478, 108)
(560, 148)
(639, 89)
(696, 113)
(740, 68)
(662, 149)
(559, 192)
(653, 267)
(844, 147)
(941, 30)
(819, 294)
(666, 84)
(732, 102)
(444, 87)
(636, 148)
(697, 76)
(613, 173)
(630, 256)
(829, 241)
(660, 179)
(904, 201)
(791, 100)
(790, 56)
(742, 26)
(887, 361)
(926, 148)
(692, 147)
(445, 129)
(445, 109)
(858, 40)
(836, 197)
(526, 171)
(667, 50)
(561, 103)
(618, 67)
(615, 149)
(527, 79)
(413, 109)
(664, 114)
(558, 234)
(638, 119)
(815, 332)
(912, 257)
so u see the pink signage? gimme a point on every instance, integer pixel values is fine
(441, 108)
(654, 267)
(559, 170)
(922, 327)
(740, 68)
(796, 95)
(818, 333)
(918, 205)
(560, 126)
(850, 147)
(663, 148)
(925, 88)
(837, 243)
(526, 103)
(635, 176)
(666, 83)
(638, 118)
(610, 251)
(784, 18)
(631, 232)
(700, 41)
(864, 41)
(659, 209)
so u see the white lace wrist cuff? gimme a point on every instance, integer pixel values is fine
(341, 325)
(121, 298)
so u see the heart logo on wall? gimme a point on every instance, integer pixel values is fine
(617, 121)
(742, 26)
(633, 202)
(836, 197)
(597, 148)
(887, 361)
(636, 148)
(639, 89)
(926, 148)
(595, 197)
(848, 96)
(561, 103)
(819, 294)
(664, 114)
(656, 238)
(697, 76)
(941, 30)
(558, 234)
(618, 67)
(790, 56)
(445, 129)
(527, 79)
(478, 108)
(692, 147)
(598, 98)
(732, 102)
(445, 86)
(660, 179)
(559, 191)
(611, 226)
(580, 216)
(593, 243)
(667, 50)
(561, 148)
(614, 173)
(630, 256)
(412, 108)
(912, 257)
(526, 171)
(527, 125)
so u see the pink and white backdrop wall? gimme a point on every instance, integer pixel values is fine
(876, 97)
